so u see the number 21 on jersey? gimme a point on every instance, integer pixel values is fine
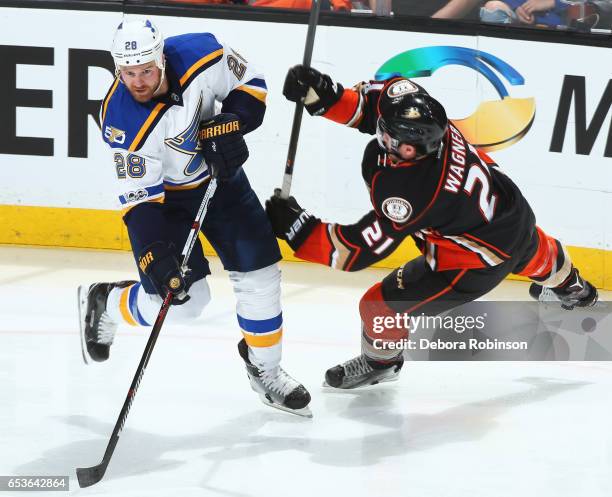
(373, 235)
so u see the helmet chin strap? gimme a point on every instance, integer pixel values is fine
(118, 73)
(163, 77)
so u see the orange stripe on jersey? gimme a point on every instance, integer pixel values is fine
(128, 209)
(457, 258)
(485, 157)
(199, 64)
(545, 257)
(354, 248)
(492, 247)
(108, 98)
(373, 307)
(145, 127)
(259, 95)
(344, 109)
(317, 247)
(372, 199)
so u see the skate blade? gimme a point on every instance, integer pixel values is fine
(327, 386)
(305, 412)
(81, 301)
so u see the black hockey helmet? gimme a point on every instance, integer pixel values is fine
(410, 115)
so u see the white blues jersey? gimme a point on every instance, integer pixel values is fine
(154, 145)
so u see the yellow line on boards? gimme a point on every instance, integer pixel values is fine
(104, 229)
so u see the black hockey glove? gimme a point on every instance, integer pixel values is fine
(223, 145)
(158, 261)
(316, 90)
(289, 221)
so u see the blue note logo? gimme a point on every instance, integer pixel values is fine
(187, 143)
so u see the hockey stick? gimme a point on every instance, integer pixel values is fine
(299, 106)
(90, 476)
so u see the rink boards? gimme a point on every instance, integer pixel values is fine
(549, 132)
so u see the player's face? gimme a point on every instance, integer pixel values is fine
(403, 152)
(142, 80)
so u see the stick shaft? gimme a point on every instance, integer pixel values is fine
(299, 106)
(90, 476)
(197, 224)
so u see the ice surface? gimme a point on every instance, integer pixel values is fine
(196, 428)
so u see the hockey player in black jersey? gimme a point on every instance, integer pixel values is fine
(469, 220)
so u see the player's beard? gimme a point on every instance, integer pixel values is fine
(142, 94)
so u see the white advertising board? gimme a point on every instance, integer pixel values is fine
(48, 52)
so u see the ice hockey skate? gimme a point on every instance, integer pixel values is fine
(575, 292)
(275, 387)
(359, 373)
(96, 327)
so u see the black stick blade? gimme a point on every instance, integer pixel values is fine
(90, 476)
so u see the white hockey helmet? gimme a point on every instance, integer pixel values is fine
(137, 42)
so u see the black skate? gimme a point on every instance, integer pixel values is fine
(97, 328)
(275, 387)
(576, 292)
(359, 373)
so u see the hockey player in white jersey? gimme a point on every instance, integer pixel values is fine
(163, 97)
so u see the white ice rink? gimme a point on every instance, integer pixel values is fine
(196, 429)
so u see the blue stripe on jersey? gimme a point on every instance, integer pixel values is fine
(260, 325)
(126, 116)
(151, 192)
(257, 82)
(133, 306)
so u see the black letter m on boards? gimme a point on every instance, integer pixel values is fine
(574, 89)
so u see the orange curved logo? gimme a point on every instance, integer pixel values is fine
(496, 124)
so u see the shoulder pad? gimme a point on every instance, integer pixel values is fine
(192, 53)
